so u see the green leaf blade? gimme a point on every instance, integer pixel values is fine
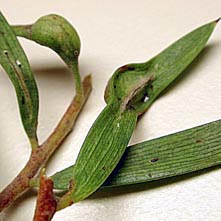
(98, 156)
(15, 63)
(132, 88)
(172, 155)
(168, 65)
(164, 68)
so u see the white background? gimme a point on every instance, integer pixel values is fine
(114, 33)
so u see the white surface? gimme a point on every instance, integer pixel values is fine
(114, 33)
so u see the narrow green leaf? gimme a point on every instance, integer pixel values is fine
(163, 68)
(105, 134)
(183, 152)
(131, 90)
(15, 63)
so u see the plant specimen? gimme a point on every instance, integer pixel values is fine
(104, 159)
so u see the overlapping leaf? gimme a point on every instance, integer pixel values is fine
(131, 90)
(187, 151)
(163, 69)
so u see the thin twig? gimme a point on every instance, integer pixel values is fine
(40, 155)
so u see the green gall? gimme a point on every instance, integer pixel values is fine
(55, 32)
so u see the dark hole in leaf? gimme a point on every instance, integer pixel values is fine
(76, 53)
(145, 98)
(126, 68)
(130, 68)
(23, 100)
(154, 160)
(149, 174)
(200, 140)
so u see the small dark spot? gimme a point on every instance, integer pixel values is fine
(154, 160)
(145, 97)
(117, 76)
(76, 53)
(5, 52)
(3, 33)
(126, 68)
(104, 168)
(199, 140)
(130, 106)
(115, 86)
(149, 174)
(130, 68)
(54, 17)
(123, 68)
(119, 98)
(71, 202)
(71, 184)
(23, 100)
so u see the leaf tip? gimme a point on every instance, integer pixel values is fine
(217, 20)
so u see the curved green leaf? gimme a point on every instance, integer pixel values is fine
(176, 154)
(15, 63)
(163, 68)
(132, 89)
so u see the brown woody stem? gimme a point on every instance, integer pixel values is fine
(40, 155)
